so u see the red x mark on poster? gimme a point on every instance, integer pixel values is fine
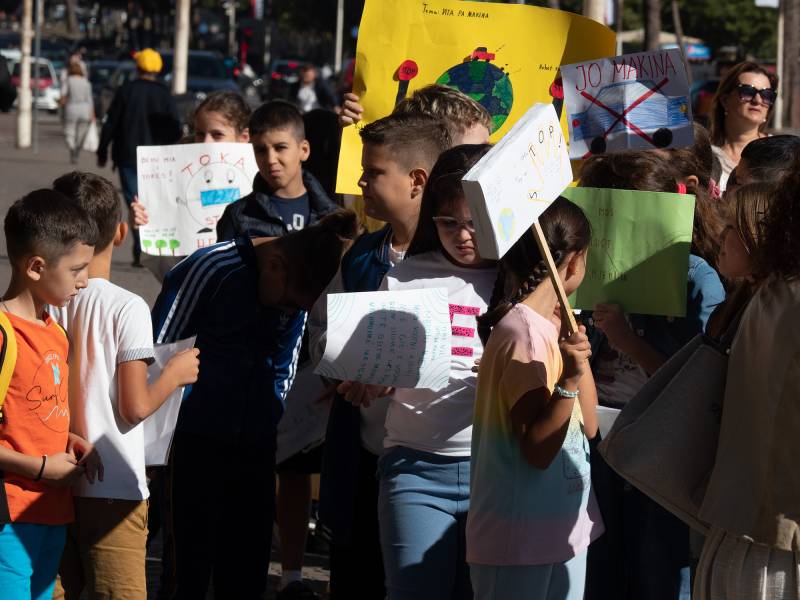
(621, 116)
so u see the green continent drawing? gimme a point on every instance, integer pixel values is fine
(484, 83)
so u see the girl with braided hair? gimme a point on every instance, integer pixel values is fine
(533, 513)
(424, 472)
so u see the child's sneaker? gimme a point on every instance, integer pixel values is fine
(297, 590)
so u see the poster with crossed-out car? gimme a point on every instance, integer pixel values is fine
(634, 101)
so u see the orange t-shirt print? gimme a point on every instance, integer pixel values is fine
(36, 418)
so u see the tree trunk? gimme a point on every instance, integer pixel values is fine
(72, 17)
(676, 21)
(652, 24)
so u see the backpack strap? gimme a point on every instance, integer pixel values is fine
(8, 357)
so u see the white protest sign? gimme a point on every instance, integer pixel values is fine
(398, 339)
(304, 419)
(634, 101)
(159, 428)
(185, 188)
(517, 180)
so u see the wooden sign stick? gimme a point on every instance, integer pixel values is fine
(566, 311)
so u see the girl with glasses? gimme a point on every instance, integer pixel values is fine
(424, 472)
(741, 110)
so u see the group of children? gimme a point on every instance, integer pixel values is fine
(489, 488)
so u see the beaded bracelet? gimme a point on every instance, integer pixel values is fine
(566, 393)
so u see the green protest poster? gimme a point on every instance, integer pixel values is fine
(639, 255)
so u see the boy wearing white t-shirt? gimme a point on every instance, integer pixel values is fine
(112, 344)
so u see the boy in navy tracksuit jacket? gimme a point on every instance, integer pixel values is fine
(224, 447)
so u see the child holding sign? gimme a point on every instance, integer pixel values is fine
(532, 512)
(645, 549)
(424, 472)
(398, 155)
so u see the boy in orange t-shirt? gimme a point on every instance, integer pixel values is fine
(49, 243)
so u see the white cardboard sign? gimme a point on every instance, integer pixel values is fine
(517, 180)
(185, 188)
(634, 101)
(159, 428)
(398, 339)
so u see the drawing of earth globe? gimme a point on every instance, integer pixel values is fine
(485, 83)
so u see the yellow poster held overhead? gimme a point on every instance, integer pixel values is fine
(505, 56)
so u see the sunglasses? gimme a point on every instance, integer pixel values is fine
(451, 224)
(747, 92)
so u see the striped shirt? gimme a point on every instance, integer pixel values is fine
(248, 353)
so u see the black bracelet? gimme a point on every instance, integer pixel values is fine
(41, 471)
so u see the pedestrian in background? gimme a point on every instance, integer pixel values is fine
(142, 113)
(76, 98)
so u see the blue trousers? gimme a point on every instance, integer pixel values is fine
(558, 581)
(422, 510)
(29, 559)
(130, 188)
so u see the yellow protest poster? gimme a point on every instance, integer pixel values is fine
(505, 56)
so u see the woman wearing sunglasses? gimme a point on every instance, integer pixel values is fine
(740, 110)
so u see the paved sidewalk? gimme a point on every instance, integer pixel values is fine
(22, 171)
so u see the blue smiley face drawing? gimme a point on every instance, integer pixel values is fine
(210, 189)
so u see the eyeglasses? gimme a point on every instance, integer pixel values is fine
(452, 224)
(747, 92)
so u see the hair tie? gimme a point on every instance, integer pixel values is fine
(714, 191)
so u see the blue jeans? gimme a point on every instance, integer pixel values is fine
(557, 581)
(29, 559)
(130, 188)
(422, 510)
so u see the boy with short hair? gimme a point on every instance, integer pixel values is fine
(112, 345)
(399, 152)
(49, 244)
(466, 120)
(285, 197)
(244, 301)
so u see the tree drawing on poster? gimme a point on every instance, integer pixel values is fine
(185, 189)
(483, 49)
(634, 101)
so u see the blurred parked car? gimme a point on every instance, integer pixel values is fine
(100, 73)
(124, 73)
(282, 74)
(8, 91)
(206, 73)
(49, 89)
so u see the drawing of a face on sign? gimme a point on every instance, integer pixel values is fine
(212, 186)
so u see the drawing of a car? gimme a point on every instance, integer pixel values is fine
(656, 115)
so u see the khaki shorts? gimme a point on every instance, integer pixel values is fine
(105, 551)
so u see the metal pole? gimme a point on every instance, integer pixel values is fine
(24, 114)
(618, 7)
(181, 55)
(39, 8)
(782, 87)
(231, 7)
(337, 60)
